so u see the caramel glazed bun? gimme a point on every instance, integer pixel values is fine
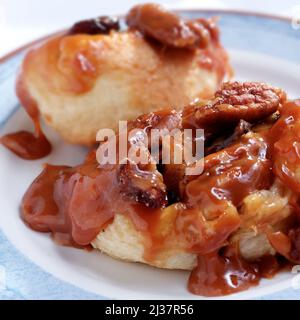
(267, 206)
(96, 74)
(243, 221)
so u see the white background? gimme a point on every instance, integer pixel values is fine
(25, 20)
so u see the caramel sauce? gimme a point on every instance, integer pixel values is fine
(81, 60)
(280, 242)
(225, 273)
(68, 203)
(216, 275)
(24, 144)
(285, 139)
(75, 204)
(215, 58)
(232, 175)
(286, 153)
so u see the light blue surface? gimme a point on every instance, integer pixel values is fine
(25, 280)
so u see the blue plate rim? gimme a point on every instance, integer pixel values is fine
(19, 49)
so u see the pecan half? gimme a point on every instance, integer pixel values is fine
(143, 184)
(249, 101)
(156, 22)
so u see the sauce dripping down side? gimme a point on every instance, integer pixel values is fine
(216, 275)
(27, 145)
(225, 273)
(75, 204)
(286, 149)
(54, 203)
